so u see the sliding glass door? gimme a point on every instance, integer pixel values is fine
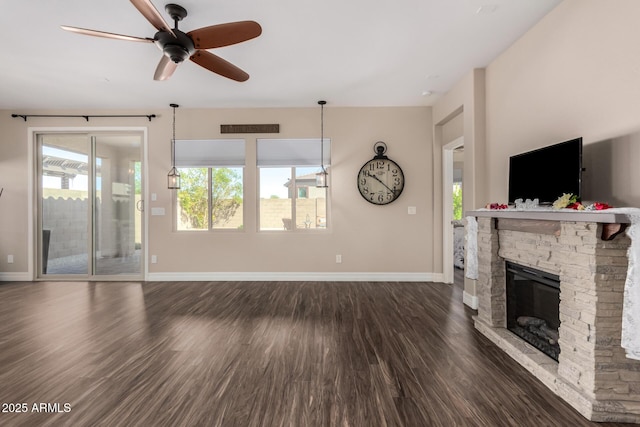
(90, 205)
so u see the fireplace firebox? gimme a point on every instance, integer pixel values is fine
(533, 307)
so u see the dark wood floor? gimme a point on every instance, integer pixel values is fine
(258, 354)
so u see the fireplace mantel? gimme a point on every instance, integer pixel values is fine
(608, 216)
(613, 221)
(592, 373)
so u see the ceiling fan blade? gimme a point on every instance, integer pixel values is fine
(165, 68)
(224, 34)
(219, 66)
(97, 33)
(149, 11)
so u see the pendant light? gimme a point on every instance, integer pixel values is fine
(322, 176)
(173, 177)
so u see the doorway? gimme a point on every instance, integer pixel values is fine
(89, 205)
(453, 236)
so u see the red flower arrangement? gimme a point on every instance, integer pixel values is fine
(569, 201)
(601, 206)
(496, 206)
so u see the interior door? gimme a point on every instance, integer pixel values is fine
(447, 204)
(90, 205)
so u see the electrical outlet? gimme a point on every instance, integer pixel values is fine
(154, 259)
(10, 259)
(338, 259)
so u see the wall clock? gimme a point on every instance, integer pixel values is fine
(380, 180)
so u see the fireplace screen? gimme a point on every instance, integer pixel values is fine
(533, 307)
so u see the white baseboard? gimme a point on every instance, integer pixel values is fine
(267, 277)
(437, 277)
(287, 276)
(470, 300)
(15, 277)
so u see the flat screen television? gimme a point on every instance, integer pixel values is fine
(546, 173)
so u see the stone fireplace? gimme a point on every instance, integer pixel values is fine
(588, 253)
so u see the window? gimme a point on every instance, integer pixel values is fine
(289, 199)
(211, 188)
(457, 200)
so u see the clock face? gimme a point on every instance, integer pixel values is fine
(380, 181)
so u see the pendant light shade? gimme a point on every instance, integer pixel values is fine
(173, 177)
(322, 177)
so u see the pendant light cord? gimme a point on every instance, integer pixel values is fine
(322, 103)
(173, 177)
(173, 141)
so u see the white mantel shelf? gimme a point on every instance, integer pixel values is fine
(608, 216)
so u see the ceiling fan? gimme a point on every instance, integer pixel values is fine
(177, 46)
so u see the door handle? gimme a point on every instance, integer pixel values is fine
(140, 205)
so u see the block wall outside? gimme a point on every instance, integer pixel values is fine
(67, 221)
(310, 213)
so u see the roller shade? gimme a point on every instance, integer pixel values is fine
(292, 152)
(204, 153)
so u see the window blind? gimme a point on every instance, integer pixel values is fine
(199, 153)
(292, 152)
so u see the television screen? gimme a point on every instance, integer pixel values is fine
(546, 173)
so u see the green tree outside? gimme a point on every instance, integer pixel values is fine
(226, 195)
(457, 201)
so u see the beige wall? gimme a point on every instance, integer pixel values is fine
(576, 73)
(383, 239)
(461, 112)
(462, 109)
(453, 129)
(14, 217)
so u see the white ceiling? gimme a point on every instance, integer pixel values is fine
(349, 52)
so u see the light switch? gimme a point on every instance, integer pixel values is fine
(411, 210)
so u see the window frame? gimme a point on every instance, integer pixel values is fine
(210, 203)
(211, 154)
(293, 153)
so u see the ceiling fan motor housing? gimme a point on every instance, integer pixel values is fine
(178, 48)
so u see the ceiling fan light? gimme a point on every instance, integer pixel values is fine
(176, 53)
